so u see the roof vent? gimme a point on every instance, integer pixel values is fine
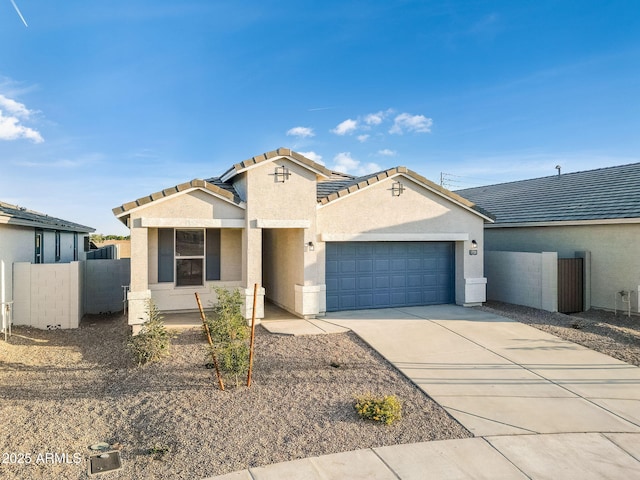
(558, 167)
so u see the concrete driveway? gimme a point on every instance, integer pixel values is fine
(497, 376)
(540, 407)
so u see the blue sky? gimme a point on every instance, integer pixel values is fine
(104, 102)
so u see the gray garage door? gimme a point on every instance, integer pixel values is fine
(363, 275)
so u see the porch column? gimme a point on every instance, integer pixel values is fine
(139, 292)
(252, 271)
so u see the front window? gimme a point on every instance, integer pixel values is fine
(189, 257)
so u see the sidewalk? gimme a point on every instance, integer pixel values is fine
(581, 456)
(540, 407)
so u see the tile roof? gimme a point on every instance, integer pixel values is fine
(13, 214)
(331, 185)
(280, 152)
(605, 193)
(214, 185)
(341, 185)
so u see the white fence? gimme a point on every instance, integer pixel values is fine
(529, 279)
(58, 295)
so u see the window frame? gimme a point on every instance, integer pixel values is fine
(167, 258)
(177, 258)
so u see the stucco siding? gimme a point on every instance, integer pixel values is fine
(283, 259)
(16, 245)
(230, 254)
(523, 278)
(416, 211)
(614, 265)
(195, 204)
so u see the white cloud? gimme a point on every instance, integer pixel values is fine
(387, 152)
(302, 132)
(11, 129)
(313, 156)
(363, 138)
(348, 126)
(343, 162)
(12, 114)
(406, 122)
(374, 118)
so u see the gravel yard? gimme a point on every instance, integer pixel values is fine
(62, 391)
(615, 335)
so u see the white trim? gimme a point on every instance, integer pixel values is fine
(562, 223)
(147, 222)
(266, 223)
(475, 281)
(394, 237)
(417, 182)
(241, 205)
(233, 172)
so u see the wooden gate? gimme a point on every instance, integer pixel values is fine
(570, 285)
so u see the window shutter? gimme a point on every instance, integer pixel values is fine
(213, 254)
(165, 255)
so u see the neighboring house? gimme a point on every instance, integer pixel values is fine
(28, 236)
(314, 240)
(596, 211)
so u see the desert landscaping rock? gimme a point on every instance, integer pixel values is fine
(64, 391)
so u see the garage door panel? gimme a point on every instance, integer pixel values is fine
(381, 299)
(414, 297)
(398, 298)
(347, 283)
(347, 266)
(365, 266)
(382, 265)
(363, 275)
(398, 265)
(364, 300)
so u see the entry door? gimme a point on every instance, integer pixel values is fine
(361, 275)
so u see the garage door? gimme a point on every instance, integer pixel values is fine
(363, 275)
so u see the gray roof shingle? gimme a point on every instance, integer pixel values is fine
(13, 214)
(605, 193)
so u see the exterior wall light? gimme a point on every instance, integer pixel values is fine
(281, 174)
(397, 189)
(310, 246)
(474, 248)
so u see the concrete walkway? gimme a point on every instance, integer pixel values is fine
(540, 407)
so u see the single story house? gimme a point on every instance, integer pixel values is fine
(593, 211)
(314, 240)
(29, 236)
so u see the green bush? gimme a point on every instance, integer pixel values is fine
(230, 333)
(152, 343)
(385, 409)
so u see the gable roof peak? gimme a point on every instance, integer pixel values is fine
(272, 155)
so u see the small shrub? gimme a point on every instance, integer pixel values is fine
(385, 409)
(230, 333)
(158, 451)
(153, 341)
